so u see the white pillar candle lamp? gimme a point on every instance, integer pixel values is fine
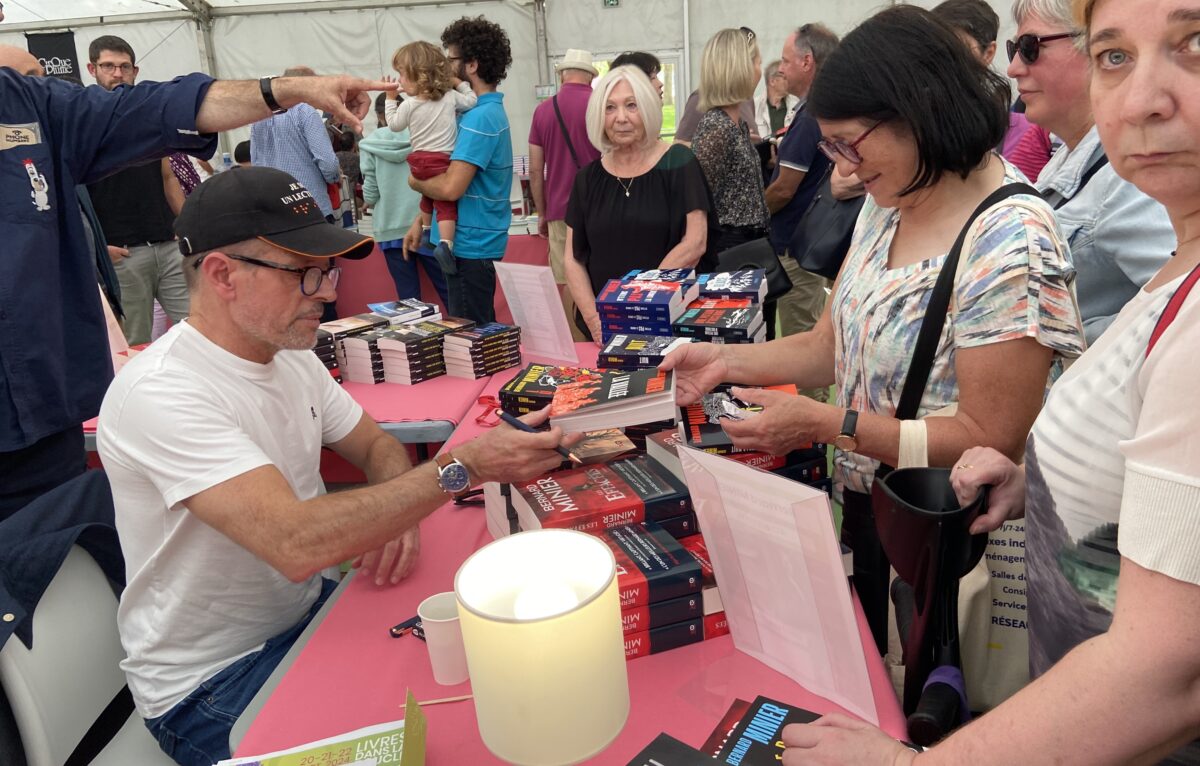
(541, 623)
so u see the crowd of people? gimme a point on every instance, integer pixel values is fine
(1066, 220)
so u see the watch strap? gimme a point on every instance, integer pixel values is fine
(849, 423)
(443, 459)
(268, 94)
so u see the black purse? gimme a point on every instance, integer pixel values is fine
(822, 237)
(757, 254)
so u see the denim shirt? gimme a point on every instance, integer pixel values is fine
(1119, 237)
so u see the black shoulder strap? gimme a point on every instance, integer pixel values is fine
(566, 136)
(939, 303)
(103, 729)
(1092, 170)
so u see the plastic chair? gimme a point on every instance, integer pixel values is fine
(61, 685)
(925, 535)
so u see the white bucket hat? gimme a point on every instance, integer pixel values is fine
(577, 59)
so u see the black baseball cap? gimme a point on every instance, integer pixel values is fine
(267, 204)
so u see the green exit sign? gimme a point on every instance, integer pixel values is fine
(612, 3)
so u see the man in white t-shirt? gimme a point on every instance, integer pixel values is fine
(212, 437)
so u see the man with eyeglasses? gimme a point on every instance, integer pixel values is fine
(135, 215)
(212, 441)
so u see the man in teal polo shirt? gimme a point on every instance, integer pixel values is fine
(480, 172)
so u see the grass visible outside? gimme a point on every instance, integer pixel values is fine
(668, 124)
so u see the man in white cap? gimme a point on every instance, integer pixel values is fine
(558, 142)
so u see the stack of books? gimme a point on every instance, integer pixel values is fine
(598, 497)
(406, 310)
(645, 302)
(722, 320)
(404, 354)
(533, 387)
(636, 352)
(349, 327)
(324, 351)
(659, 583)
(482, 351)
(750, 284)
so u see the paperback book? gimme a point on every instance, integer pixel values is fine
(652, 566)
(664, 639)
(597, 497)
(533, 387)
(636, 619)
(618, 398)
(405, 310)
(665, 750)
(757, 738)
(751, 283)
(731, 319)
(633, 352)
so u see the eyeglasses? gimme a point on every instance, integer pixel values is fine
(1029, 47)
(108, 67)
(311, 277)
(832, 149)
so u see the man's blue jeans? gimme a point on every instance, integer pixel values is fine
(408, 281)
(196, 731)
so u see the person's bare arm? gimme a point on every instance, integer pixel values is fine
(580, 285)
(259, 510)
(783, 188)
(231, 104)
(171, 187)
(449, 186)
(691, 248)
(537, 185)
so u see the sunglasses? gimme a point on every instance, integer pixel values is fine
(834, 149)
(1029, 47)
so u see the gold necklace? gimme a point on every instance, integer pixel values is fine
(625, 186)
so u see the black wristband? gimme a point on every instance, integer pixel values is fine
(264, 85)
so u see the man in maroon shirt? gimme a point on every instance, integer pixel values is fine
(558, 148)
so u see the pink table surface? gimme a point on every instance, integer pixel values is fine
(353, 674)
(442, 398)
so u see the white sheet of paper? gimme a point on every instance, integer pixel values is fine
(532, 296)
(777, 561)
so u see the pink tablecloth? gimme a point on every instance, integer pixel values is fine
(353, 674)
(442, 398)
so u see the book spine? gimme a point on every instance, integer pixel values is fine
(680, 526)
(659, 613)
(716, 625)
(663, 639)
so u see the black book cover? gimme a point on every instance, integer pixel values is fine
(664, 639)
(757, 739)
(665, 750)
(651, 565)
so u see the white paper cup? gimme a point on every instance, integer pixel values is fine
(443, 636)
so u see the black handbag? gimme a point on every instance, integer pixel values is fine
(822, 237)
(757, 254)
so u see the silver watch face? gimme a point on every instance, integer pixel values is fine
(454, 477)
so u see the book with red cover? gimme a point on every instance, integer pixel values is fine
(535, 384)
(664, 639)
(656, 614)
(715, 625)
(596, 497)
(651, 566)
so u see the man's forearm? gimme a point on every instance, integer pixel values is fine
(778, 198)
(386, 459)
(231, 104)
(538, 191)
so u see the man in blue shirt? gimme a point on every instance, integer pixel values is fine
(480, 172)
(799, 172)
(54, 359)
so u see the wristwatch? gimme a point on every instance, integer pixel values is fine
(268, 94)
(845, 441)
(453, 477)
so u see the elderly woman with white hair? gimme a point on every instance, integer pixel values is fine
(643, 205)
(1118, 236)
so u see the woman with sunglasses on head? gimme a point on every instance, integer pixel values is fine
(1110, 487)
(1118, 236)
(905, 105)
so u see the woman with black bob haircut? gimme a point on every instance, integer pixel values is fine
(902, 104)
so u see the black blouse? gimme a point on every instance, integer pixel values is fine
(733, 170)
(614, 233)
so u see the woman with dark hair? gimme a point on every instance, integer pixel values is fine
(904, 104)
(647, 62)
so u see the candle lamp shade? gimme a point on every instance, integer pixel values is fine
(541, 624)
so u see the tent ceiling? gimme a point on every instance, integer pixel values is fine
(43, 11)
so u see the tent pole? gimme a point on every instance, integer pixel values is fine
(687, 49)
(542, 46)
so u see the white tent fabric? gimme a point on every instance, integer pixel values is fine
(250, 38)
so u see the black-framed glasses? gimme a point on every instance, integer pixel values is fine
(1029, 47)
(311, 277)
(108, 67)
(834, 149)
